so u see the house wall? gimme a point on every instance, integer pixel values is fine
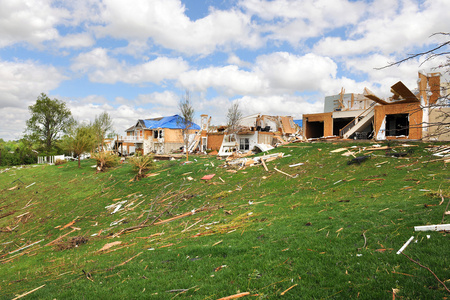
(429, 83)
(215, 140)
(325, 118)
(439, 129)
(265, 138)
(415, 117)
(253, 139)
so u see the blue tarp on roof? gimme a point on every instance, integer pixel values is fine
(167, 122)
(299, 122)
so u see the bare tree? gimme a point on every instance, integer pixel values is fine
(234, 116)
(186, 120)
(102, 124)
(440, 53)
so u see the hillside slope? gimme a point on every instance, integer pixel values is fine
(323, 229)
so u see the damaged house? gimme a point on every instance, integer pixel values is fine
(258, 132)
(405, 115)
(158, 135)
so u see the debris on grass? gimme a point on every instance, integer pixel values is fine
(282, 294)
(71, 243)
(235, 296)
(109, 245)
(29, 292)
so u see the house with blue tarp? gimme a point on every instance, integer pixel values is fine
(162, 135)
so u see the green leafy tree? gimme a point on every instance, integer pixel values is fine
(81, 139)
(187, 119)
(49, 120)
(102, 124)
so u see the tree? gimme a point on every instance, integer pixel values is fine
(187, 119)
(234, 116)
(80, 139)
(49, 119)
(102, 124)
(441, 55)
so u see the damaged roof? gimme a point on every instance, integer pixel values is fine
(171, 122)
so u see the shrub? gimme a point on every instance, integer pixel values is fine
(105, 159)
(60, 162)
(141, 163)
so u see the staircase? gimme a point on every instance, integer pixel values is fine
(359, 122)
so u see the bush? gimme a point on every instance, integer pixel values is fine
(60, 162)
(105, 160)
(141, 164)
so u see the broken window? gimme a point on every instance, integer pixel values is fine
(157, 134)
(244, 144)
(397, 125)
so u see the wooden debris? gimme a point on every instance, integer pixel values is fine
(235, 296)
(296, 165)
(27, 293)
(109, 245)
(405, 245)
(208, 177)
(440, 227)
(22, 248)
(64, 235)
(264, 165)
(282, 294)
(128, 260)
(284, 173)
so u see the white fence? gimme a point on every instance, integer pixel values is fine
(50, 159)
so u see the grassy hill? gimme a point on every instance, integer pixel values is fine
(329, 230)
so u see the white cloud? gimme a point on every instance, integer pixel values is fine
(30, 21)
(292, 20)
(228, 79)
(290, 72)
(21, 82)
(166, 24)
(393, 29)
(105, 69)
(284, 104)
(166, 98)
(78, 40)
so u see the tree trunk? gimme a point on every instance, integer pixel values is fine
(79, 162)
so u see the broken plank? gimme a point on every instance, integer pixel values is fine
(440, 227)
(264, 165)
(235, 296)
(29, 292)
(284, 173)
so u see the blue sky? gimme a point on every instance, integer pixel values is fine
(135, 59)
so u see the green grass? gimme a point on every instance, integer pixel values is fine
(261, 232)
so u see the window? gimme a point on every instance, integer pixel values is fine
(157, 134)
(244, 144)
(397, 125)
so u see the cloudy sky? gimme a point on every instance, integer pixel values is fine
(135, 59)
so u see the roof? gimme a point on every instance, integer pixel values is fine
(171, 122)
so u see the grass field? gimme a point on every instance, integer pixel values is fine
(328, 231)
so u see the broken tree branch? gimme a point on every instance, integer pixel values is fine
(428, 270)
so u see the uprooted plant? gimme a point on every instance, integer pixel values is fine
(141, 164)
(105, 159)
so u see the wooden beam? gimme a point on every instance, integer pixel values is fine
(440, 227)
